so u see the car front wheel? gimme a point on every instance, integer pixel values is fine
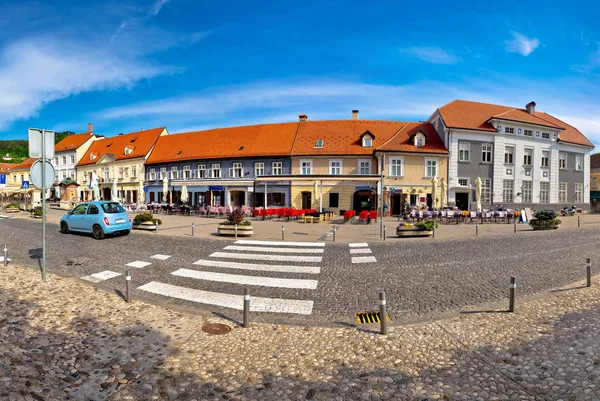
(98, 232)
(64, 227)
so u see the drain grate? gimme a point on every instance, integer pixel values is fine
(370, 317)
(216, 328)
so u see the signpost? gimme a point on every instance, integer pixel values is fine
(2, 185)
(41, 146)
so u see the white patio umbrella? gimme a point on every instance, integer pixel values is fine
(113, 195)
(434, 182)
(478, 193)
(96, 190)
(141, 194)
(165, 188)
(184, 194)
(316, 193)
(57, 191)
(443, 193)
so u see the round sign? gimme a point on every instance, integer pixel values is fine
(36, 174)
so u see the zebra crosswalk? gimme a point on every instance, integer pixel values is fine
(361, 248)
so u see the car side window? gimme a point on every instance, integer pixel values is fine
(80, 209)
(93, 209)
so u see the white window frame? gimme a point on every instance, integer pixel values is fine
(466, 180)
(562, 192)
(277, 168)
(487, 149)
(187, 171)
(364, 166)
(56, 160)
(527, 132)
(72, 157)
(121, 172)
(509, 130)
(527, 193)
(173, 173)
(151, 174)
(508, 193)
(163, 173)
(201, 170)
(365, 139)
(64, 160)
(134, 171)
(399, 165)
(562, 161)
(511, 153)
(305, 166)
(594, 182)
(419, 141)
(544, 192)
(578, 192)
(106, 174)
(335, 167)
(578, 162)
(319, 143)
(545, 158)
(215, 170)
(545, 135)
(464, 151)
(528, 156)
(427, 166)
(259, 169)
(486, 190)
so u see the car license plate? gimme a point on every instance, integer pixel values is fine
(119, 221)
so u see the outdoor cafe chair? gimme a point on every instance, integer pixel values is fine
(472, 217)
(450, 216)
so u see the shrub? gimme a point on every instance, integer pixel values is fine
(545, 215)
(544, 218)
(427, 225)
(236, 217)
(12, 205)
(142, 217)
(37, 211)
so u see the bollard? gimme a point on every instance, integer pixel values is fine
(578, 221)
(155, 226)
(382, 312)
(236, 231)
(433, 236)
(588, 268)
(476, 228)
(246, 308)
(5, 256)
(513, 294)
(127, 286)
(193, 226)
(384, 232)
(515, 226)
(334, 230)
(282, 233)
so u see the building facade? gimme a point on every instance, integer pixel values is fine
(595, 182)
(523, 157)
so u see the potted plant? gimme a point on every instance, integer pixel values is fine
(235, 219)
(544, 220)
(420, 229)
(12, 207)
(145, 221)
(36, 212)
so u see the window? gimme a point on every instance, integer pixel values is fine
(64, 160)
(578, 193)
(80, 209)
(216, 170)
(463, 182)
(367, 141)
(128, 150)
(187, 171)
(508, 191)
(83, 177)
(305, 167)
(397, 167)
(163, 173)
(562, 161)
(72, 174)
(486, 190)
(527, 191)
(578, 162)
(93, 209)
(55, 175)
(72, 159)
(63, 174)
(106, 174)
(134, 171)
(562, 192)
(419, 141)
(121, 175)
(22, 178)
(509, 130)
(486, 153)
(319, 143)
(545, 158)
(152, 174)
(126, 172)
(464, 150)
(528, 132)
(544, 192)
(545, 135)
(335, 167)
(594, 182)
(174, 173)
(277, 168)
(527, 157)
(56, 161)
(236, 170)
(364, 167)
(509, 152)
(201, 170)
(431, 167)
(259, 169)
(334, 199)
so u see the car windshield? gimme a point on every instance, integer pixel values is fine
(112, 207)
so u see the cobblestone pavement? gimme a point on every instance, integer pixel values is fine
(65, 340)
(422, 278)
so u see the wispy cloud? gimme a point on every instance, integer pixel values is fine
(429, 54)
(521, 44)
(592, 63)
(156, 6)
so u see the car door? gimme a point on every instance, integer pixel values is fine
(77, 216)
(91, 217)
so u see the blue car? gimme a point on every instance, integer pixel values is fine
(98, 218)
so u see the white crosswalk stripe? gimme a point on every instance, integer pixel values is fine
(98, 277)
(358, 245)
(272, 250)
(247, 280)
(138, 264)
(160, 257)
(280, 258)
(279, 243)
(259, 267)
(361, 248)
(363, 259)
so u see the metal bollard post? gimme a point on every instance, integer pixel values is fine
(513, 294)
(127, 286)
(334, 230)
(155, 226)
(588, 268)
(433, 236)
(476, 228)
(384, 232)
(193, 226)
(578, 221)
(282, 233)
(246, 308)
(5, 256)
(382, 312)
(515, 226)
(236, 231)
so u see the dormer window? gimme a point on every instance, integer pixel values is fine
(367, 141)
(319, 143)
(128, 150)
(93, 156)
(419, 139)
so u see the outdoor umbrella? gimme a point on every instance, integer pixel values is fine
(165, 188)
(57, 191)
(113, 195)
(443, 193)
(184, 194)
(96, 190)
(478, 193)
(434, 182)
(141, 194)
(316, 193)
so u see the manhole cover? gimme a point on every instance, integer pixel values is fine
(216, 328)
(370, 317)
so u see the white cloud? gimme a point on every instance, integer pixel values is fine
(522, 44)
(156, 6)
(433, 55)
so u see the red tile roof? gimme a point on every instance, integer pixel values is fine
(342, 137)
(464, 114)
(402, 141)
(26, 165)
(72, 142)
(4, 167)
(140, 142)
(595, 161)
(247, 141)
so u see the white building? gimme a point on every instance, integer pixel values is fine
(523, 157)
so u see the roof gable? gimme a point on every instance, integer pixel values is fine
(402, 141)
(72, 142)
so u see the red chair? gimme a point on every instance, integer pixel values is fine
(373, 214)
(363, 216)
(348, 214)
(281, 213)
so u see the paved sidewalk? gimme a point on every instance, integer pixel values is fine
(65, 340)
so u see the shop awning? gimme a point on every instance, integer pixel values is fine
(595, 195)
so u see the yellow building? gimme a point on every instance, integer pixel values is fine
(118, 162)
(27, 197)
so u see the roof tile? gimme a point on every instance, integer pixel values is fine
(72, 142)
(402, 141)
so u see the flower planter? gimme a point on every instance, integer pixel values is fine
(12, 210)
(229, 230)
(146, 225)
(404, 232)
(541, 228)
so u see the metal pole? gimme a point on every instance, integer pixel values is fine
(578, 221)
(127, 286)
(588, 267)
(43, 205)
(381, 198)
(382, 312)
(334, 230)
(246, 308)
(5, 256)
(236, 231)
(282, 233)
(513, 294)
(193, 226)
(515, 226)
(384, 231)
(476, 228)
(155, 225)
(433, 231)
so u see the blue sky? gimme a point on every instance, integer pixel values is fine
(189, 65)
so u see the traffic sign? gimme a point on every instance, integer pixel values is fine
(36, 174)
(2, 180)
(35, 143)
(25, 185)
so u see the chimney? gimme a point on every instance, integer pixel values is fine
(355, 114)
(303, 117)
(530, 108)
(90, 127)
